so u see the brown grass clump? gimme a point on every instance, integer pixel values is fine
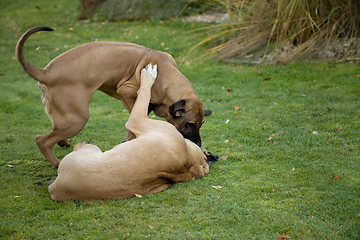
(296, 27)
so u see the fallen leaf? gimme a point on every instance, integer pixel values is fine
(225, 157)
(337, 177)
(315, 132)
(226, 141)
(240, 146)
(267, 79)
(151, 227)
(217, 187)
(162, 44)
(236, 108)
(138, 195)
(17, 197)
(270, 138)
(283, 237)
(56, 49)
(227, 121)
(190, 193)
(38, 8)
(71, 29)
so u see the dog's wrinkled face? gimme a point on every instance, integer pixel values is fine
(188, 117)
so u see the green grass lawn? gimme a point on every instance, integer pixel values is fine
(288, 136)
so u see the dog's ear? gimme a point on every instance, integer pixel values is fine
(210, 159)
(207, 112)
(177, 109)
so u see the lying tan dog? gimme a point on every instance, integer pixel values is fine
(158, 157)
(69, 81)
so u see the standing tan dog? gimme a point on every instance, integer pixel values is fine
(158, 157)
(69, 81)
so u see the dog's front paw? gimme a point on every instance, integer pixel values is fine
(152, 70)
(148, 74)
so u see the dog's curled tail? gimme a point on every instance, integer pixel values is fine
(34, 72)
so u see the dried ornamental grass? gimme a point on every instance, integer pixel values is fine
(307, 25)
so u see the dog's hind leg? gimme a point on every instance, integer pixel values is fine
(68, 117)
(45, 145)
(64, 131)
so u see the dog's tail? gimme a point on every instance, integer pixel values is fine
(34, 72)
